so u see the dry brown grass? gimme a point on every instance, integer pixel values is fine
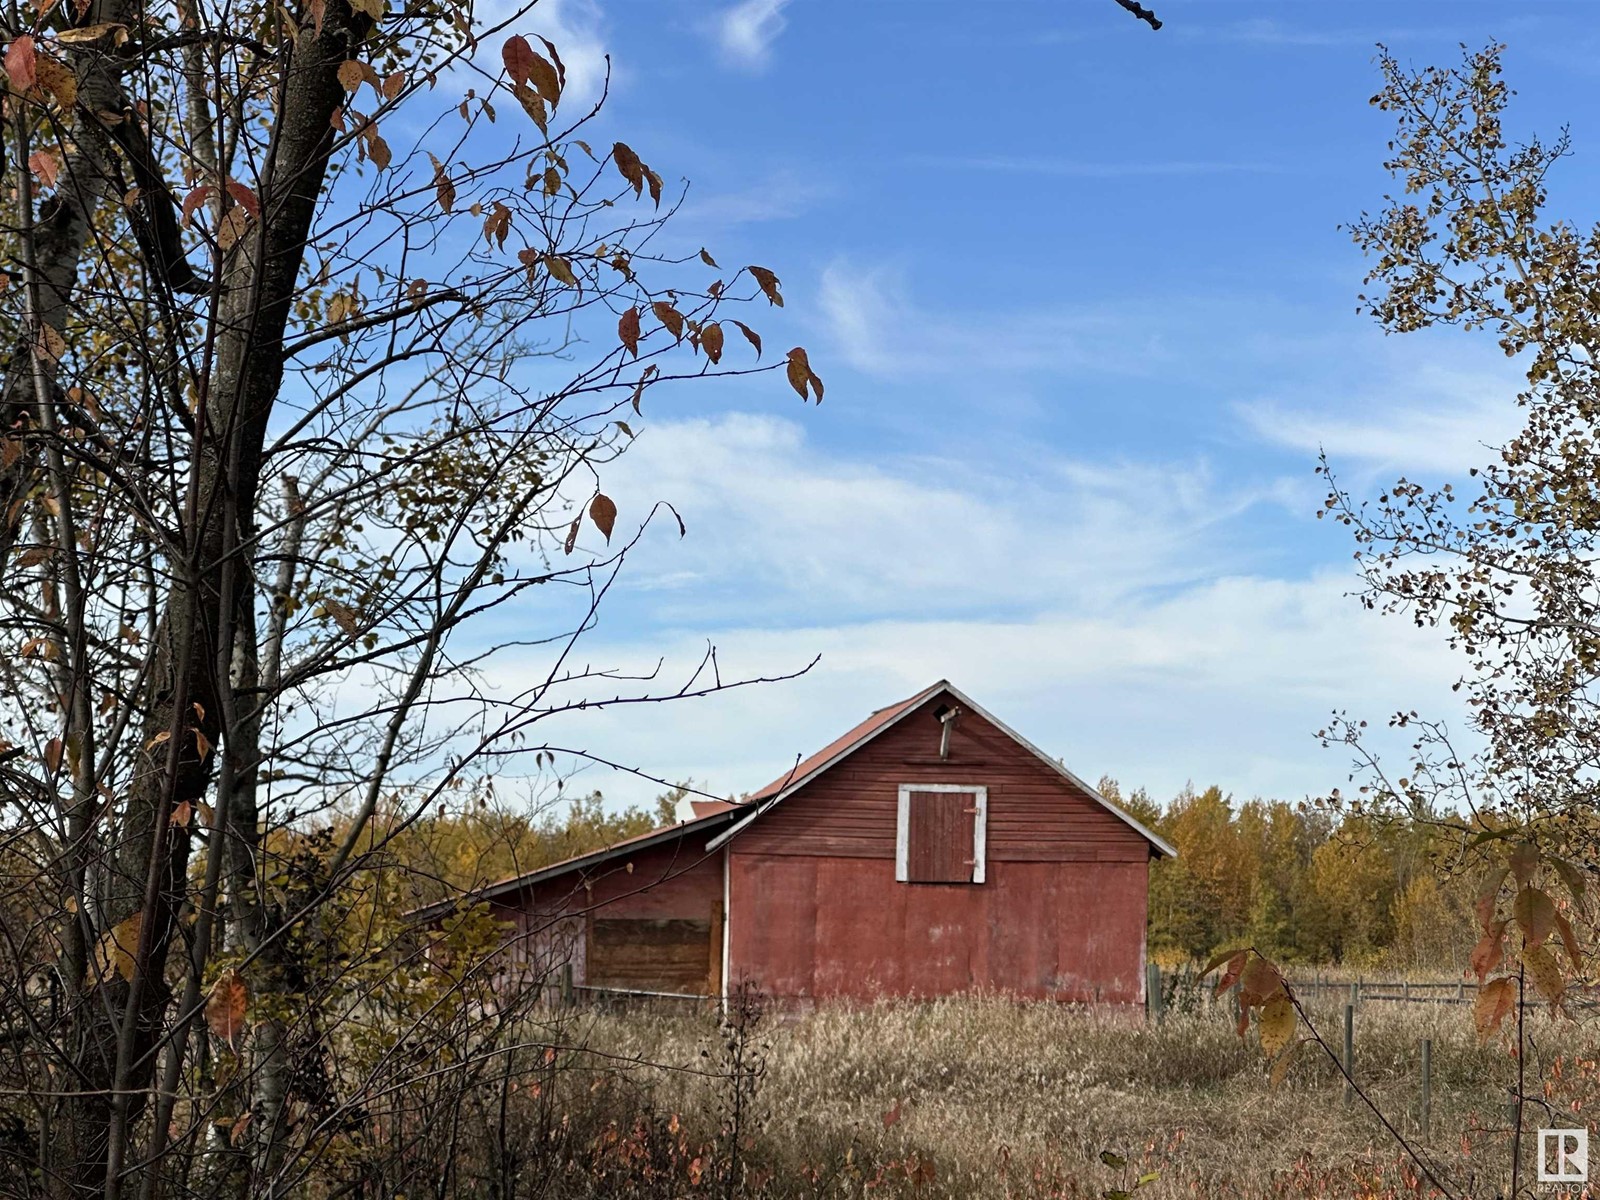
(984, 1097)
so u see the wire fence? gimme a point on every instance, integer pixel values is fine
(1318, 988)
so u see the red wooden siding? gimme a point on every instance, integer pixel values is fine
(940, 842)
(810, 926)
(815, 909)
(648, 917)
(1034, 814)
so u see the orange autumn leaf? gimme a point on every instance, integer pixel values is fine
(227, 1005)
(20, 60)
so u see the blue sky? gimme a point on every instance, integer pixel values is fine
(1085, 315)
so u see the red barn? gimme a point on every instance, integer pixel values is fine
(929, 850)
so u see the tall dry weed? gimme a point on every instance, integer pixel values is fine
(987, 1097)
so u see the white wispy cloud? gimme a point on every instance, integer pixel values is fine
(880, 329)
(780, 195)
(746, 31)
(820, 536)
(1225, 681)
(1426, 411)
(1117, 613)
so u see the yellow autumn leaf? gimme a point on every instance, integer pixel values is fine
(1544, 973)
(57, 79)
(377, 148)
(232, 227)
(114, 953)
(1276, 1025)
(50, 343)
(444, 191)
(1281, 1064)
(1535, 912)
(668, 316)
(768, 283)
(629, 166)
(84, 34)
(801, 376)
(561, 269)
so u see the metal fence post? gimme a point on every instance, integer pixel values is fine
(1427, 1084)
(1350, 1053)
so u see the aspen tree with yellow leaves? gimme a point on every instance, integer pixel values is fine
(1503, 563)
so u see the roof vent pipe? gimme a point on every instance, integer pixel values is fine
(947, 718)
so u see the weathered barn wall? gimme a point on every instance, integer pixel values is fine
(816, 909)
(656, 927)
(1066, 931)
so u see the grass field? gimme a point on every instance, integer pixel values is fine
(983, 1097)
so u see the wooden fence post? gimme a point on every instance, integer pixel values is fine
(1350, 1052)
(1152, 992)
(1427, 1084)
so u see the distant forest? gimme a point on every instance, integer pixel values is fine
(1301, 883)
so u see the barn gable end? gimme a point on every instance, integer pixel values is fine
(1056, 906)
(849, 808)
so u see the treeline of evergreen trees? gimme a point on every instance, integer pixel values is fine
(1301, 883)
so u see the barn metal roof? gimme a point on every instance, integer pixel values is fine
(845, 743)
(639, 841)
(886, 718)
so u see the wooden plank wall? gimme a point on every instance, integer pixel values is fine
(649, 954)
(652, 921)
(1034, 814)
(940, 843)
(815, 909)
(814, 926)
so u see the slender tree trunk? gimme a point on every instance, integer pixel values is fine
(208, 603)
